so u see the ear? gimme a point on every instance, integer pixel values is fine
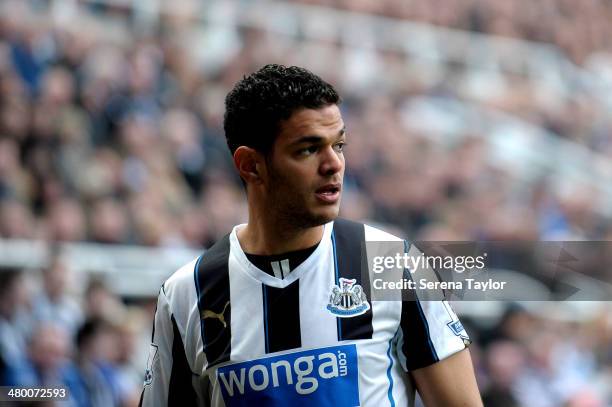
(249, 163)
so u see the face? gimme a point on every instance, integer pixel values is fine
(305, 169)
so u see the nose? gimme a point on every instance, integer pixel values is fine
(332, 162)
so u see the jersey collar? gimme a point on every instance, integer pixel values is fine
(238, 254)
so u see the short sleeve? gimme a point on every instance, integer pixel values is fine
(429, 330)
(159, 361)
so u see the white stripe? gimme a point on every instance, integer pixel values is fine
(181, 293)
(285, 267)
(247, 327)
(276, 269)
(317, 324)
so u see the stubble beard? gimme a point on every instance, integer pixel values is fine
(291, 208)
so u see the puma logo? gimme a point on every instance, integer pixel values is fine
(210, 314)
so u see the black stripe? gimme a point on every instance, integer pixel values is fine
(153, 330)
(349, 239)
(212, 286)
(180, 389)
(282, 317)
(417, 348)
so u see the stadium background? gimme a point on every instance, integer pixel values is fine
(467, 119)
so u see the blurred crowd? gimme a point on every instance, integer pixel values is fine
(118, 139)
(121, 141)
(578, 28)
(531, 358)
(93, 344)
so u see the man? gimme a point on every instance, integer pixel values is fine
(276, 312)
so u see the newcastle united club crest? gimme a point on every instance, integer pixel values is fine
(348, 299)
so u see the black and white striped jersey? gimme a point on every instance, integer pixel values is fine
(229, 334)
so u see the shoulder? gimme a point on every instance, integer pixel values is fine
(367, 232)
(181, 282)
(214, 256)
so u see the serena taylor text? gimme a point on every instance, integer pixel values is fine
(425, 284)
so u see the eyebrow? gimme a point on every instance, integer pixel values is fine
(316, 139)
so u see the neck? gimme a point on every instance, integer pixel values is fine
(266, 236)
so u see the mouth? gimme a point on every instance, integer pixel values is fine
(329, 193)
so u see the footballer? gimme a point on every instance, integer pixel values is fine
(276, 313)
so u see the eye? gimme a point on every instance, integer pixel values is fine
(308, 150)
(339, 147)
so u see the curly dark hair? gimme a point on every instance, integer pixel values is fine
(256, 106)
